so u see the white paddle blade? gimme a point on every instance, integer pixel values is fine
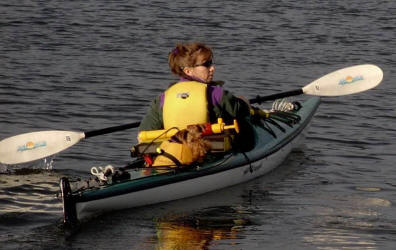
(346, 81)
(36, 145)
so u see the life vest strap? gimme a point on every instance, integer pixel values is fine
(170, 157)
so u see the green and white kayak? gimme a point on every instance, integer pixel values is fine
(275, 139)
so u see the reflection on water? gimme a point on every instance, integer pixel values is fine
(199, 231)
(340, 238)
(354, 225)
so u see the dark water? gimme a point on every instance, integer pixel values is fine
(84, 65)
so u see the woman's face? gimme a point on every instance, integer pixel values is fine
(204, 70)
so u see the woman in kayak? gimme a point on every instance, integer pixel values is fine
(196, 98)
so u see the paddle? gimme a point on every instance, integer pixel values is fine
(36, 145)
(345, 81)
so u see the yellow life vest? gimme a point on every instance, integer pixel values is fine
(185, 104)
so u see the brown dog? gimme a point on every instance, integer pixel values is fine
(193, 139)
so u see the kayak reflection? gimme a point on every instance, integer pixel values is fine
(201, 230)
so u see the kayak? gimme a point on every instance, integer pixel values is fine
(274, 140)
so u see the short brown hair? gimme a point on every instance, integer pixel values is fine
(188, 55)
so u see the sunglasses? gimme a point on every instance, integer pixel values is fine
(206, 64)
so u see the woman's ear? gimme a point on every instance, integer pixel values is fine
(188, 71)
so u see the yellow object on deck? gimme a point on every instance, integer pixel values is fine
(160, 135)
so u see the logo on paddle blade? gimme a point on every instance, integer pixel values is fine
(350, 79)
(31, 145)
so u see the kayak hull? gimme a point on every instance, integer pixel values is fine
(187, 188)
(272, 147)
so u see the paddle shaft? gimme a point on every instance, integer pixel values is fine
(111, 129)
(260, 99)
